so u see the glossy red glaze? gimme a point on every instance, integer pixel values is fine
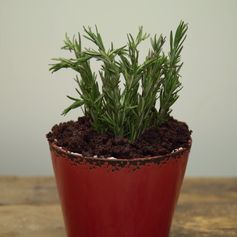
(107, 198)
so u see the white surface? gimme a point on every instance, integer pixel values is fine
(31, 101)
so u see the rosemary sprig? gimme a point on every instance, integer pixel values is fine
(172, 85)
(130, 111)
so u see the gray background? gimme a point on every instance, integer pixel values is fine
(31, 99)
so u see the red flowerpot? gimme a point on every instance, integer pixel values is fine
(118, 197)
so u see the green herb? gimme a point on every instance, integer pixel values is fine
(129, 111)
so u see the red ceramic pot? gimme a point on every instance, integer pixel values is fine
(118, 197)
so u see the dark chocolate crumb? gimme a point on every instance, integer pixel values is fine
(80, 137)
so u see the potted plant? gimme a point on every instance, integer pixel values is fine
(119, 168)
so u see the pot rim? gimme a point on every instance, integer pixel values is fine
(176, 153)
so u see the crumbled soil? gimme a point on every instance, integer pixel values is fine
(79, 136)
